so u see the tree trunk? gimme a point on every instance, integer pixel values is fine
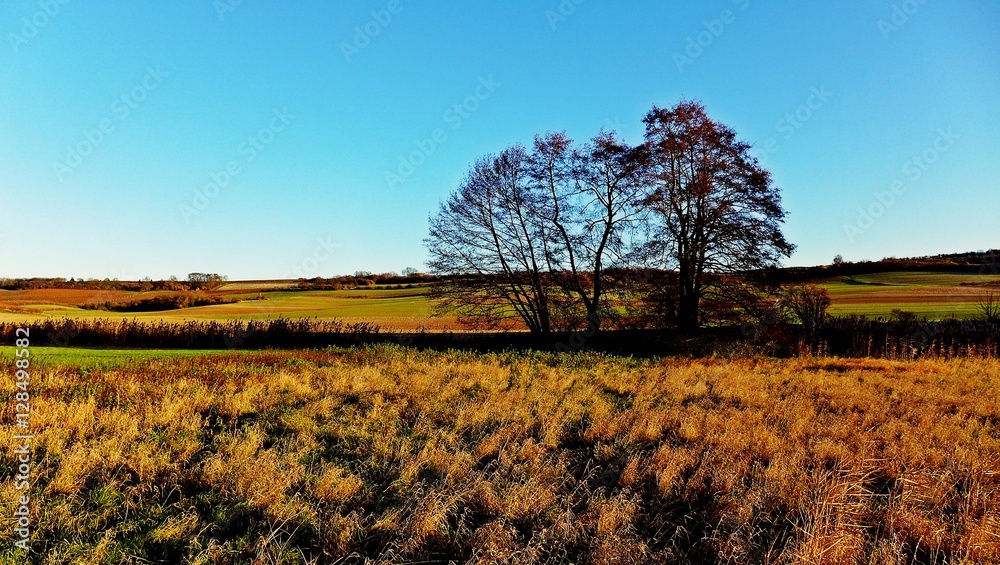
(687, 317)
(688, 300)
(593, 322)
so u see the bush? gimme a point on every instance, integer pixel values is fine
(160, 303)
(809, 303)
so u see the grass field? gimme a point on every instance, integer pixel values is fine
(405, 456)
(932, 295)
(399, 309)
(101, 357)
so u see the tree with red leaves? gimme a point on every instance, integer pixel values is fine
(718, 212)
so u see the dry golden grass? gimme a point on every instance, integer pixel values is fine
(401, 456)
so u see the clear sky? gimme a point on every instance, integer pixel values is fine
(331, 132)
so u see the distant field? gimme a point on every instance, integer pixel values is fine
(932, 295)
(398, 309)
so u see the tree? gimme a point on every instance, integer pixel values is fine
(410, 271)
(205, 281)
(809, 303)
(546, 236)
(838, 260)
(532, 235)
(719, 213)
(487, 238)
(588, 210)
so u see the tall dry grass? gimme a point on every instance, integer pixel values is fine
(398, 456)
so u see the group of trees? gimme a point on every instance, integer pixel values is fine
(563, 235)
(195, 281)
(143, 285)
(366, 280)
(973, 263)
(206, 281)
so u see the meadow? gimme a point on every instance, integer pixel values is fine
(402, 309)
(405, 456)
(936, 296)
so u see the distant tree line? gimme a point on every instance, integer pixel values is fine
(212, 281)
(93, 284)
(981, 263)
(361, 280)
(195, 281)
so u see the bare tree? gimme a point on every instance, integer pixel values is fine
(589, 209)
(718, 211)
(485, 237)
(531, 236)
(546, 236)
(809, 303)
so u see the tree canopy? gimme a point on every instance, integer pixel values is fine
(557, 236)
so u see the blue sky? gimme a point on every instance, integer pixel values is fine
(265, 140)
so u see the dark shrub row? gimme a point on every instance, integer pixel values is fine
(251, 334)
(160, 303)
(841, 337)
(856, 336)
